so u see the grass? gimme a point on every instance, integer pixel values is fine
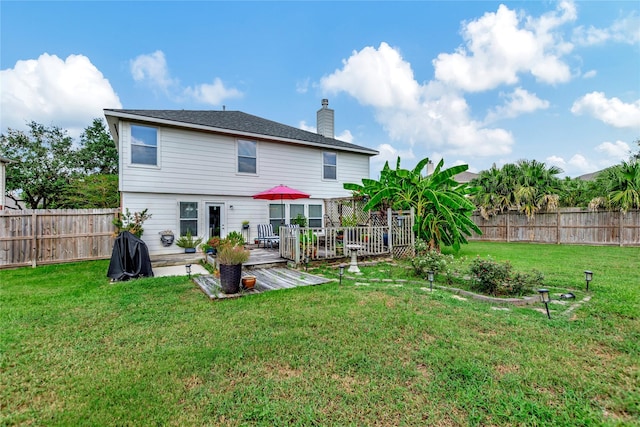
(78, 350)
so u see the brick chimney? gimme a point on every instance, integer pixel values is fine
(324, 120)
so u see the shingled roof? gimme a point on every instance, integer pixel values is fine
(236, 122)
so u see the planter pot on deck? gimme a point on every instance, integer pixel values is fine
(248, 282)
(230, 278)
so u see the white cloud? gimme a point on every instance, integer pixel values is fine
(67, 93)
(516, 103)
(576, 165)
(556, 161)
(302, 86)
(498, 48)
(429, 115)
(375, 77)
(212, 94)
(618, 150)
(590, 74)
(345, 136)
(309, 128)
(611, 111)
(624, 30)
(388, 153)
(609, 153)
(152, 70)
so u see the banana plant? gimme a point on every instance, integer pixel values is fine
(441, 206)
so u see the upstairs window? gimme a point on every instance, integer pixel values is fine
(247, 156)
(144, 145)
(329, 166)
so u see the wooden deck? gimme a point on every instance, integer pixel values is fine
(267, 279)
(258, 257)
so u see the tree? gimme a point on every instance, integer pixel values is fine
(636, 155)
(49, 172)
(90, 191)
(619, 187)
(527, 186)
(98, 153)
(442, 210)
(44, 163)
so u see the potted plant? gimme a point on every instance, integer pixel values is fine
(166, 238)
(211, 245)
(230, 257)
(300, 220)
(188, 242)
(245, 224)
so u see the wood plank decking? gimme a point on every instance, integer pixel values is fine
(267, 279)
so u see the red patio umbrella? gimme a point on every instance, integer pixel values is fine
(281, 192)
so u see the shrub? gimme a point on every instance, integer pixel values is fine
(489, 275)
(429, 260)
(235, 237)
(497, 278)
(131, 222)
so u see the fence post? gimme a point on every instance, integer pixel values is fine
(620, 229)
(390, 232)
(411, 233)
(508, 228)
(558, 218)
(34, 239)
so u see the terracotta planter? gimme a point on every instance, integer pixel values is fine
(230, 278)
(248, 282)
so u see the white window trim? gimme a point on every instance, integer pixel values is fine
(323, 164)
(198, 218)
(158, 151)
(257, 157)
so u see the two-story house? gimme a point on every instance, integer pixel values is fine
(198, 170)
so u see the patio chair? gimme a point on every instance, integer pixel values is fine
(267, 236)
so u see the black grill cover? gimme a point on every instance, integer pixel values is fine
(129, 259)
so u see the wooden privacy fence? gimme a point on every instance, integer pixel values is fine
(566, 226)
(43, 236)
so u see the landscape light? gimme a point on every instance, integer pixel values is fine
(341, 272)
(188, 267)
(430, 278)
(306, 262)
(544, 295)
(588, 276)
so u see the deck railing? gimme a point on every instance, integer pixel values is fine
(395, 238)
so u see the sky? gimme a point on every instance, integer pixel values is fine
(470, 82)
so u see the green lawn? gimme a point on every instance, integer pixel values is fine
(78, 350)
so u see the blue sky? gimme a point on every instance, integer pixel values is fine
(475, 82)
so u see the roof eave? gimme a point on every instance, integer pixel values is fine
(174, 123)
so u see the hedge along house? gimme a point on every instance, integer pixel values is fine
(198, 170)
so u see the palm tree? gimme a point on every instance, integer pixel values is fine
(625, 189)
(527, 186)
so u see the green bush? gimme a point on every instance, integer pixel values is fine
(235, 238)
(429, 260)
(131, 222)
(497, 278)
